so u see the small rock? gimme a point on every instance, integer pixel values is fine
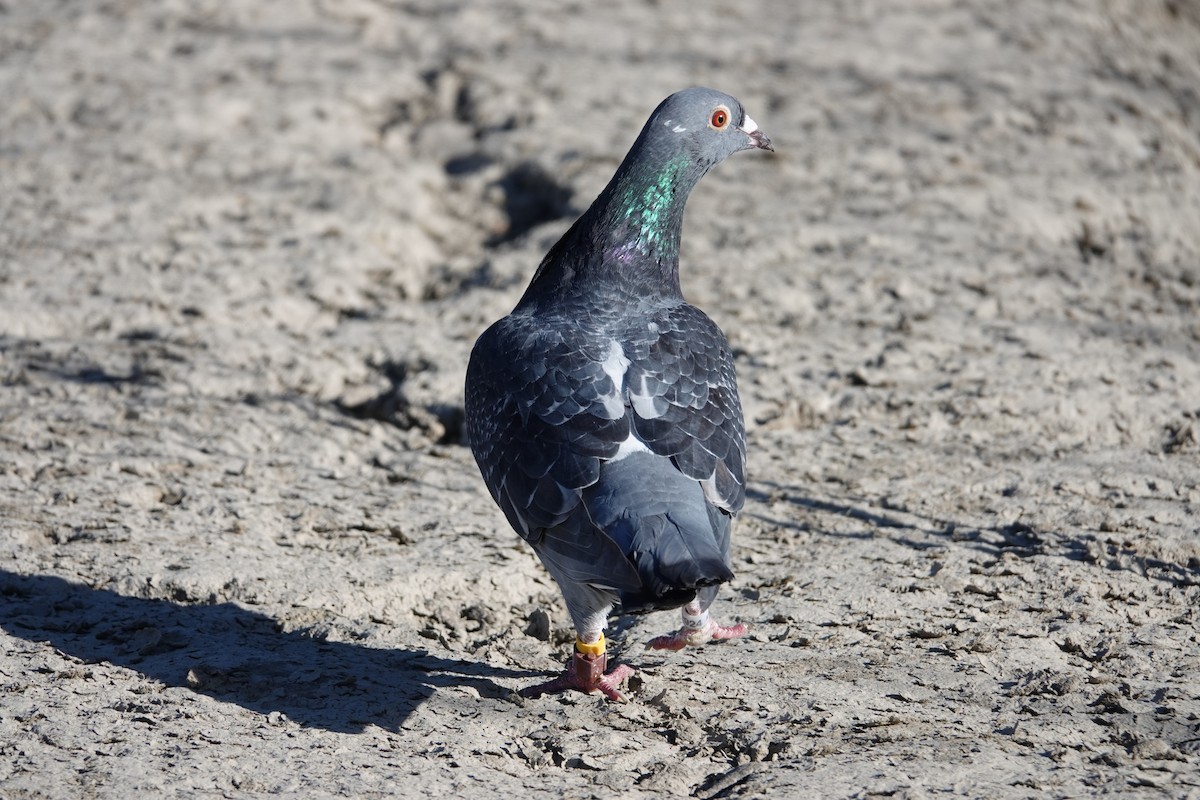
(538, 625)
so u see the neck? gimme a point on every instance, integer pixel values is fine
(639, 217)
(632, 230)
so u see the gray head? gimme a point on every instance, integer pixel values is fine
(709, 125)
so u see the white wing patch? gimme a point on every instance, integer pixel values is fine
(645, 404)
(630, 446)
(709, 485)
(615, 365)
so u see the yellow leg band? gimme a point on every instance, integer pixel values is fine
(595, 648)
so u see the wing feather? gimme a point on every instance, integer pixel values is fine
(548, 404)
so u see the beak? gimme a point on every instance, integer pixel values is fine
(757, 137)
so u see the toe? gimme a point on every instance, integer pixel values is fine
(675, 641)
(609, 683)
(610, 690)
(729, 631)
(694, 637)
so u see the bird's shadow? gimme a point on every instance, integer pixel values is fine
(236, 655)
(924, 531)
(918, 531)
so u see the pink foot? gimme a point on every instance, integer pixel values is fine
(694, 637)
(586, 674)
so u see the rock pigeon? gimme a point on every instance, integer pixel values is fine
(603, 411)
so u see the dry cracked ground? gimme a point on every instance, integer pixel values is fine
(245, 249)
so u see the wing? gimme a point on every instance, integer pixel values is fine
(542, 410)
(682, 390)
(547, 404)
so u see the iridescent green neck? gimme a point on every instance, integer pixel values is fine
(651, 206)
(628, 241)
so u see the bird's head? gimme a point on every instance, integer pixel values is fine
(709, 124)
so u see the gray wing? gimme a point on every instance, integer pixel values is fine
(547, 408)
(682, 389)
(541, 414)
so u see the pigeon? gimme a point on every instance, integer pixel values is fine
(603, 411)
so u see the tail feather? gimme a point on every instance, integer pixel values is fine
(661, 520)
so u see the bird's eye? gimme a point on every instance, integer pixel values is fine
(720, 118)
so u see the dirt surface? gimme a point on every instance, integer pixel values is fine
(245, 249)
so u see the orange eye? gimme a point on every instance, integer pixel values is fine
(720, 118)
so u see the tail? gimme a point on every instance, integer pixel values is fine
(676, 540)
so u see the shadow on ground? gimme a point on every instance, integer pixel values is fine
(915, 530)
(236, 655)
(921, 532)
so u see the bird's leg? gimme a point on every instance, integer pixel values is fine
(585, 672)
(698, 627)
